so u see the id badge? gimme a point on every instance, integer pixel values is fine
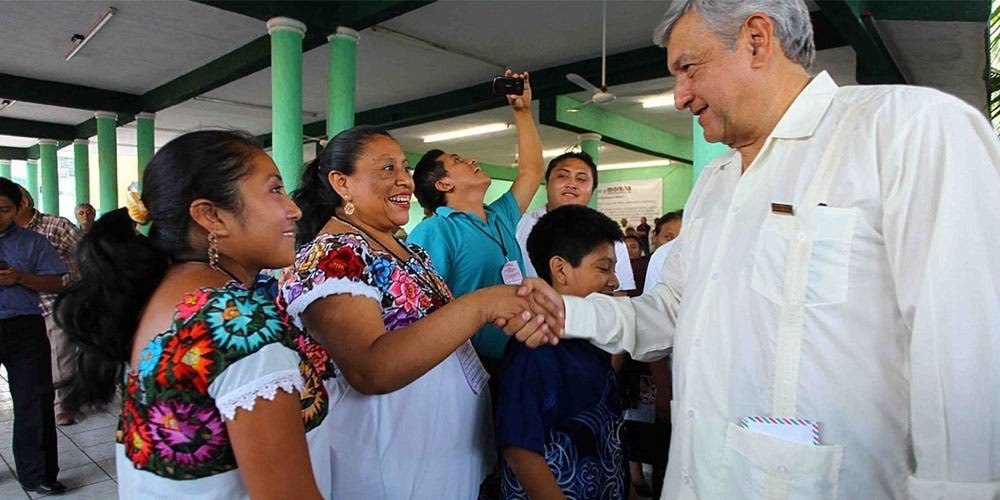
(475, 374)
(511, 273)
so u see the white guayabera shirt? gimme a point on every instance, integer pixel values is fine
(845, 278)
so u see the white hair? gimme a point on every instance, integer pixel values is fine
(792, 26)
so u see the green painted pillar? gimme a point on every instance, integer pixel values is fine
(704, 151)
(107, 161)
(81, 170)
(286, 97)
(32, 175)
(590, 143)
(343, 63)
(5, 168)
(49, 169)
(144, 140)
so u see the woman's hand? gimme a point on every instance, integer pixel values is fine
(543, 321)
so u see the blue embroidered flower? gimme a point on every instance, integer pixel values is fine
(242, 323)
(381, 269)
(150, 356)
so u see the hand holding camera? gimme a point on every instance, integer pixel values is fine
(516, 87)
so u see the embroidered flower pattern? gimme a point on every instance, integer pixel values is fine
(407, 290)
(169, 425)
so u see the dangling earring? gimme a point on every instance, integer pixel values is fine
(213, 251)
(348, 207)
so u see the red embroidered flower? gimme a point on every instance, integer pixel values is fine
(191, 304)
(190, 358)
(135, 435)
(342, 263)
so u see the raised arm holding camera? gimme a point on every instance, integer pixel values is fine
(473, 245)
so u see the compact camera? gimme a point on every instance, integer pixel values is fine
(505, 85)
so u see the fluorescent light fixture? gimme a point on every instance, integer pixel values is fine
(466, 132)
(80, 40)
(551, 153)
(634, 164)
(658, 101)
(251, 105)
(6, 103)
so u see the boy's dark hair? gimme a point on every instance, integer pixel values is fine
(11, 190)
(584, 157)
(428, 171)
(571, 232)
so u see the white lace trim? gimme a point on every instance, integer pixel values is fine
(334, 286)
(246, 396)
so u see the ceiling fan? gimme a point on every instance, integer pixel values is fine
(598, 95)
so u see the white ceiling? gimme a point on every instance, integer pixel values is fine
(149, 43)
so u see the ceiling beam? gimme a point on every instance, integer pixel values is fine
(11, 153)
(66, 95)
(614, 128)
(34, 129)
(969, 11)
(855, 23)
(322, 18)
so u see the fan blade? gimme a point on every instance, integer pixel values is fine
(579, 80)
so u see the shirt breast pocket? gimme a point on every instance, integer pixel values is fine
(765, 467)
(831, 230)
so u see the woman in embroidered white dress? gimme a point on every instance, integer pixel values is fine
(409, 410)
(217, 386)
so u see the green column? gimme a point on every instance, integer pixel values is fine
(144, 140)
(49, 169)
(5, 168)
(704, 151)
(107, 161)
(591, 144)
(286, 97)
(81, 170)
(32, 174)
(343, 63)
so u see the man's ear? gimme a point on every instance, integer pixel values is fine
(204, 213)
(444, 184)
(758, 33)
(559, 268)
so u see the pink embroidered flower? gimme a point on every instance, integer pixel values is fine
(191, 304)
(407, 292)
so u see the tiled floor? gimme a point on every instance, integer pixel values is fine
(86, 454)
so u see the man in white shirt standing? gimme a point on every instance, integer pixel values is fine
(571, 179)
(832, 302)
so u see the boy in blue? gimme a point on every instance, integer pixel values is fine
(559, 420)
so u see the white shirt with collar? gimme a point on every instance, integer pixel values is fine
(623, 268)
(654, 268)
(874, 310)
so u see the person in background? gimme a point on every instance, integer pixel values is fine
(667, 229)
(64, 236)
(221, 396)
(412, 411)
(85, 215)
(559, 419)
(642, 231)
(473, 245)
(28, 265)
(571, 179)
(833, 306)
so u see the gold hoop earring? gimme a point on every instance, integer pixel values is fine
(213, 251)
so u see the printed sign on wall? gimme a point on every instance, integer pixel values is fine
(631, 200)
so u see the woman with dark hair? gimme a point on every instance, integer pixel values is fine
(216, 385)
(411, 411)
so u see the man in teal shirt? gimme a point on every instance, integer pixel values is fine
(473, 245)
